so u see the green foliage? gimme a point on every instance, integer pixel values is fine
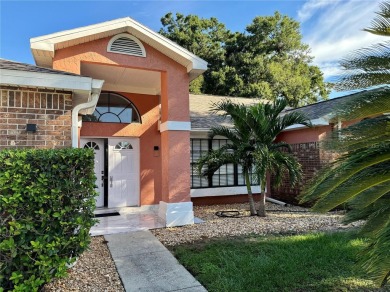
(360, 177)
(252, 143)
(268, 60)
(46, 212)
(369, 66)
(309, 262)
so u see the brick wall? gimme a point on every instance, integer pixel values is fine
(312, 160)
(50, 110)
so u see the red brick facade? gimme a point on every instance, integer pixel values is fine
(312, 160)
(50, 110)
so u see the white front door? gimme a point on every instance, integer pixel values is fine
(98, 147)
(123, 172)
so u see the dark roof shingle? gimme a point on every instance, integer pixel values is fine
(327, 109)
(12, 65)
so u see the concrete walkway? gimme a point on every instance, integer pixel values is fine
(145, 264)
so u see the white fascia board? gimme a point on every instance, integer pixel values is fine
(314, 122)
(48, 42)
(46, 80)
(43, 46)
(223, 191)
(175, 126)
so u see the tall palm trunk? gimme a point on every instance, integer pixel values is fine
(261, 210)
(250, 195)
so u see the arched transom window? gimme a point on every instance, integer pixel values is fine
(92, 145)
(114, 108)
(123, 146)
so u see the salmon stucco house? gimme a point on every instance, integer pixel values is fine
(117, 87)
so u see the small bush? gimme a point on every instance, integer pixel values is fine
(46, 212)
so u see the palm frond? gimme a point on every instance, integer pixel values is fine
(343, 171)
(366, 133)
(361, 80)
(290, 119)
(223, 131)
(370, 196)
(371, 59)
(213, 160)
(381, 24)
(363, 181)
(376, 257)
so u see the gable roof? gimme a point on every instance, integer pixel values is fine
(200, 106)
(44, 47)
(321, 113)
(327, 109)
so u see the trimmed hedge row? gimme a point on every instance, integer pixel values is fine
(46, 212)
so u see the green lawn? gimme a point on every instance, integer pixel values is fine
(312, 262)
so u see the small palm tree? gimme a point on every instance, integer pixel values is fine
(239, 149)
(267, 122)
(252, 144)
(360, 177)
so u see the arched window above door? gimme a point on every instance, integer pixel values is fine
(114, 108)
(92, 145)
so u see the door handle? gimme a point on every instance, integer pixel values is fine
(111, 178)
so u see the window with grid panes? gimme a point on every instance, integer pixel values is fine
(227, 176)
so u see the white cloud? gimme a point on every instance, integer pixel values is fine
(311, 7)
(334, 28)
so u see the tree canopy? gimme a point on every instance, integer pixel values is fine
(267, 60)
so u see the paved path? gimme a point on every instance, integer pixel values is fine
(145, 264)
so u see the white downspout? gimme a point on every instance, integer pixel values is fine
(96, 88)
(75, 118)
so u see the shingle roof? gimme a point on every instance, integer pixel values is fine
(12, 65)
(200, 106)
(201, 118)
(327, 109)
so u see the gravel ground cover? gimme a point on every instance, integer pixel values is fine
(94, 271)
(279, 220)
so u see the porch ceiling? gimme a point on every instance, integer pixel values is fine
(124, 79)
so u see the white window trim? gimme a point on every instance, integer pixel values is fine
(129, 36)
(222, 191)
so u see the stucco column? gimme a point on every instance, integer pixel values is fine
(176, 206)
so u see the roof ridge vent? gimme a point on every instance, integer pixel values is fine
(126, 44)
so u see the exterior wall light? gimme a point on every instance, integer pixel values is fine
(32, 128)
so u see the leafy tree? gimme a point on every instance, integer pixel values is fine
(251, 144)
(268, 60)
(360, 177)
(203, 37)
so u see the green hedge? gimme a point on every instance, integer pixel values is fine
(47, 198)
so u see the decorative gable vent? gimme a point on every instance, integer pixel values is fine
(126, 44)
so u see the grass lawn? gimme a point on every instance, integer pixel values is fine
(311, 262)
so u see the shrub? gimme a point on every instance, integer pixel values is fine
(46, 212)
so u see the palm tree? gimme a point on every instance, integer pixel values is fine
(360, 177)
(267, 122)
(239, 150)
(251, 144)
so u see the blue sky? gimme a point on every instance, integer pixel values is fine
(332, 28)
